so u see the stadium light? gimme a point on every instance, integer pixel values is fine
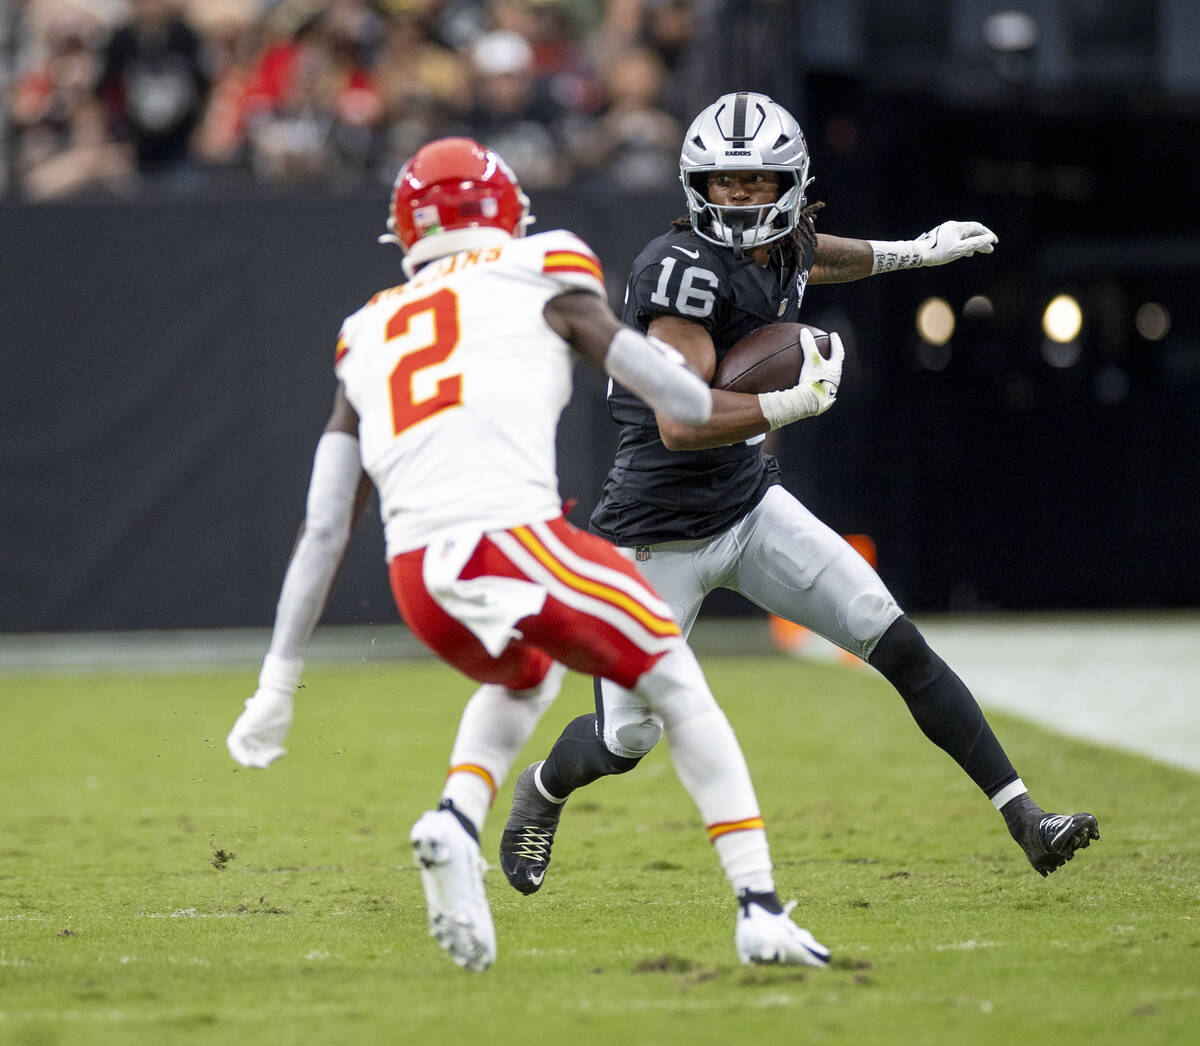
(979, 307)
(1153, 321)
(1063, 319)
(1010, 31)
(935, 321)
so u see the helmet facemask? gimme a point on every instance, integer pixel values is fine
(740, 226)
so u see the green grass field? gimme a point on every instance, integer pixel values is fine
(153, 892)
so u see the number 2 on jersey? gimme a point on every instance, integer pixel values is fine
(407, 410)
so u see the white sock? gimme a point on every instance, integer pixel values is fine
(471, 793)
(746, 859)
(494, 727)
(710, 765)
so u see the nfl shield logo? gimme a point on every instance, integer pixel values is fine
(642, 554)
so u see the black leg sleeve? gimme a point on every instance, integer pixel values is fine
(942, 705)
(579, 757)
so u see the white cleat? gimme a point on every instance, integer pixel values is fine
(765, 937)
(452, 870)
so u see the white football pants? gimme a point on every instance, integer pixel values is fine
(779, 556)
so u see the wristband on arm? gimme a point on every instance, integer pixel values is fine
(890, 255)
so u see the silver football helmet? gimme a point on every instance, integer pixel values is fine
(740, 132)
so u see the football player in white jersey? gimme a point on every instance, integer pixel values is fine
(702, 506)
(450, 390)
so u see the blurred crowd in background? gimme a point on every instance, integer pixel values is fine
(133, 96)
(122, 96)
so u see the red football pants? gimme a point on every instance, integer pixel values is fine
(599, 618)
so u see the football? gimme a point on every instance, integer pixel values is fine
(768, 359)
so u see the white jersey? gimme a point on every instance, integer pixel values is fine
(459, 383)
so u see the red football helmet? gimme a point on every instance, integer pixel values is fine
(454, 184)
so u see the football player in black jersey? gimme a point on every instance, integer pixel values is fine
(701, 506)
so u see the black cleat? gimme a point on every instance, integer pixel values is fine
(1056, 838)
(528, 834)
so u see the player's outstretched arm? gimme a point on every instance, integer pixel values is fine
(839, 259)
(946, 243)
(646, 366)
(337, 493)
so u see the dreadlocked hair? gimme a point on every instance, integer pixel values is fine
(803, 235)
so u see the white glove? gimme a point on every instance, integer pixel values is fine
(256, 739)
(953, 240)
(948, 242)
(817, 389)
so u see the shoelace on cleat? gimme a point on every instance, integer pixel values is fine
(533, 843)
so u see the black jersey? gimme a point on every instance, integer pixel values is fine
(653, 494)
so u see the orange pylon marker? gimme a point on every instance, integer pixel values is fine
(796, 639)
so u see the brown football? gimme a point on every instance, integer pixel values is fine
(768, 359)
